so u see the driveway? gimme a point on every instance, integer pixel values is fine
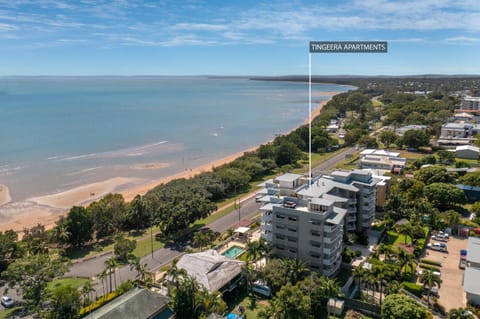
(451, 291)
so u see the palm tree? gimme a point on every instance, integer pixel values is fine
(393, 287)
(359, 274)
(253, 251)
(86, 290)
(61, 233)
(294, 268)
(405, 259)
(111, 265)
(142, 270)
(207, 303)
(249, 274)
(200, 239)
(429, 280)
(174, 275)
(103, 276)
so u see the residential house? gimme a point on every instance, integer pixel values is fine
(401, 130)
(212, 270)
(470, 103)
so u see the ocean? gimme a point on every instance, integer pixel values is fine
(61, 132)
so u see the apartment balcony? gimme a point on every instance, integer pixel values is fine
(331, 250)
(351, 226)
(351, 218)
(266, 217)
(266, 226)
(331, 270)
(330, 229)
(333, 240)
(267, 235)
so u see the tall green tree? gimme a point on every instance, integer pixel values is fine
(9, 249)
(415, 139)
(292, 303)
(398, 306)
(444, 195)
(79, 225)
(123, 248)
(32, 273)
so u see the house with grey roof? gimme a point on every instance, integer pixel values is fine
(468, 152)
(139, 303)
(212, 270)
(471, 276)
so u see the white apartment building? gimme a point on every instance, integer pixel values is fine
(307, 221)
(470, 103)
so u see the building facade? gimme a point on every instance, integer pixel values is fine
(308, 221)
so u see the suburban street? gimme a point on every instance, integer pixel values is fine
(248, 207)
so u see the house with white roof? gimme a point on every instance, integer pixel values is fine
(383, 160)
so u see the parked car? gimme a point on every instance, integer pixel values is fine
(438, 246)
(463, 254)
(440, 237)
(7, 302)
(462, 264)
(258, 196)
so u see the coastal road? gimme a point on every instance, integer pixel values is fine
(248, 208)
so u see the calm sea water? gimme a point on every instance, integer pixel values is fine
(58, 133)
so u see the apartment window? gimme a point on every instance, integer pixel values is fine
(280, 216)
(292, 240)
(316, 244)
(293, 219)
(279, 247)
(280, 226)
(279, 237)
(315, 233)
(316, 222)
(314, 255)
(292, 229)
(293, 251)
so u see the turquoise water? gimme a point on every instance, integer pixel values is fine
(233, 252)
(61, 132)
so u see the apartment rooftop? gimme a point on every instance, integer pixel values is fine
(288, 177)
(371, 151)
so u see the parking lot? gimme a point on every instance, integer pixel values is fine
(451, 291)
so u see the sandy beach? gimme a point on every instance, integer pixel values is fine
(47, 209)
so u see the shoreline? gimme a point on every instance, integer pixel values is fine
(47, 209)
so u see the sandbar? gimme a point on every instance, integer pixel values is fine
(4, 195)
(82, 195)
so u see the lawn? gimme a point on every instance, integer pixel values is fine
(252, 303)
(75, 282)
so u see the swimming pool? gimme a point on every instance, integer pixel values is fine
(233, 252)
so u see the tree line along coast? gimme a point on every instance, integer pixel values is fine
(172, 208)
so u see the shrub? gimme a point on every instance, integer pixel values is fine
(429, 267)
(412, 288)
(431, 262)
(100, 302)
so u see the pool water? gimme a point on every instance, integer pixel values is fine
(233, 252)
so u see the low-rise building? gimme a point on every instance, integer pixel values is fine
(467, 152)
(382, 160)
(470, 103)
(401, 130)
(471, 276)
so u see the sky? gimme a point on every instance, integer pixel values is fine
(244, 37)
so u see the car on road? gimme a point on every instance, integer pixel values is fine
(7, 302)
(438, 246)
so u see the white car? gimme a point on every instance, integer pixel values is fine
(437, 246)
(7, 302)
(440, 237)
